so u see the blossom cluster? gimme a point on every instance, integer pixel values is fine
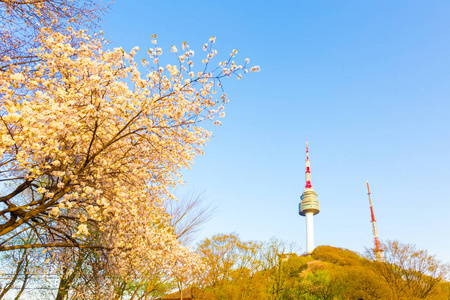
(89, 140)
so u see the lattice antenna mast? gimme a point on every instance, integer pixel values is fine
(378, 250)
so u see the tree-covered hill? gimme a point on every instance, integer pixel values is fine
(252, 270)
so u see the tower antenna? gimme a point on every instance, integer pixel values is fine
(308, 171)
(378, 250)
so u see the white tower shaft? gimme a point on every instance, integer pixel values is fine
(309, 232)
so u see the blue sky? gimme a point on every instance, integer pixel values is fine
(367, 82)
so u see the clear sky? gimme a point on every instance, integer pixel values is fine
(367, 81)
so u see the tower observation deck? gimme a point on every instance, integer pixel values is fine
(309, 205)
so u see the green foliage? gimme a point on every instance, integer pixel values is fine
(325, 285)
(297, 265)
(339, 256)
(244, 270)
(362, 283)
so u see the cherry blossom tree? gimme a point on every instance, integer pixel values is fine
(90, 148)
(23, 19)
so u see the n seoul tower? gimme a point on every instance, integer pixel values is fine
(309, 206)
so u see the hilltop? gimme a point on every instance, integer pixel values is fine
(240, 270)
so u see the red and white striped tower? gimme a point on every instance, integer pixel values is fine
(309, 205)
(377, 250)
(308, 171)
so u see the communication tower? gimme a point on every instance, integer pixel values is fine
(377, 250)
(309, 205)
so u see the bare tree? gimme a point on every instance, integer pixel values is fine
(188, 215)
(275, 257)
(409, 272)
(232, 262)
